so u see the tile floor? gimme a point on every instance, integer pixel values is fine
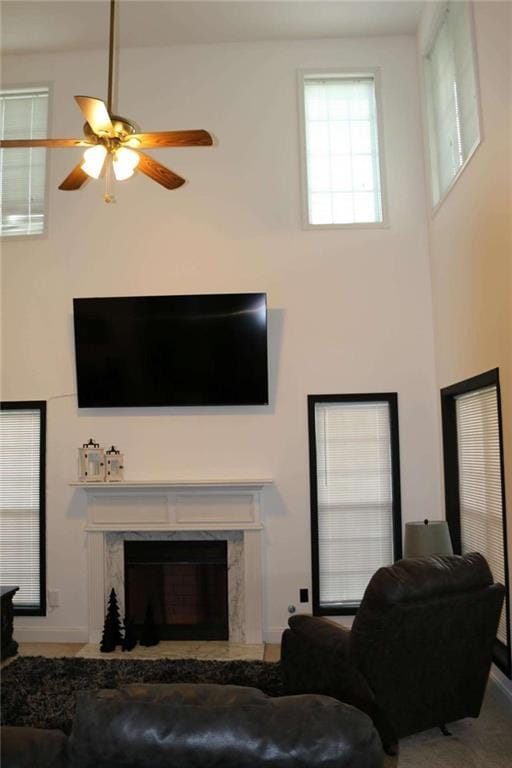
(211, 650)
(214, 650)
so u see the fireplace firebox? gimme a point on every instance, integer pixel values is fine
(186, 584)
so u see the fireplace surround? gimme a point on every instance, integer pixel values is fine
(190, 510)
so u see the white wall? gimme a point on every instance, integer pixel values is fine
(350, 311)
(471, 237)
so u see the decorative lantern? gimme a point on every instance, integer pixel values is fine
(114, 461)
(91, 463)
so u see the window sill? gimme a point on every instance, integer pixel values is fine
(437, 206)
(354, 225)
(21, 238)
(341, 610)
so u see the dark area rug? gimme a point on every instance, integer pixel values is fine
(41, 692)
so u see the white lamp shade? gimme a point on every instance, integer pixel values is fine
(94, 158)
(124, 162)
(427, 537)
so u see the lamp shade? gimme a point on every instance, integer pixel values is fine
(427, 537)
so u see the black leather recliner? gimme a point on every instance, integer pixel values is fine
(419, 651)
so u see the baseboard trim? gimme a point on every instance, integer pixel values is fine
(50, 634)
(502, 685)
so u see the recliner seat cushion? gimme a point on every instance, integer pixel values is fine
(197, 726)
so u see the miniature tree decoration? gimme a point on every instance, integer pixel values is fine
(112, 628)
(149, 635)
(130, 639)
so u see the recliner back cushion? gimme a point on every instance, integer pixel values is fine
(422, 578)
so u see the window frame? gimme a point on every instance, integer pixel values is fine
(391, 398)
(502, 656)
(431, 144)
(33, 86)
(347, 73)
(38, 405)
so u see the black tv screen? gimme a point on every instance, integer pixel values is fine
(171, 350)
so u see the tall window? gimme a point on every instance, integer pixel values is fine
(452, 99)
(22, 504)
(23, 115)
(475, 498)
(355, 495)
(341, 150)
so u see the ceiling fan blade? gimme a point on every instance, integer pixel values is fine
(159, 172)
(75, 179)
(10, 143)
(198, 138)
(96, 114)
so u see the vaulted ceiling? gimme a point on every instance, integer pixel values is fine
(61, 25)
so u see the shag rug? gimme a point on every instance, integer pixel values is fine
(40, 692)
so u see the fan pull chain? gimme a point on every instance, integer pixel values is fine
(109, 196)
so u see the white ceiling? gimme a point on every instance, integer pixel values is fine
(63, 25)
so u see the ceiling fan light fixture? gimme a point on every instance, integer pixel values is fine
(94, 159)
(124, 162)
(111, 138)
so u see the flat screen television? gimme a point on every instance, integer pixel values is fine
(171, 350)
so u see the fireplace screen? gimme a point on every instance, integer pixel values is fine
(186, 584)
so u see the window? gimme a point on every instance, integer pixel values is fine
(474, 485)
(23, 115)
(341, 150)
(22, 504)
(452, 101)
(355, 495)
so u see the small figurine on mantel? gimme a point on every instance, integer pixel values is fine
(91, 463)
(114, 459)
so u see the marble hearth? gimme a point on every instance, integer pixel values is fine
(185, 510)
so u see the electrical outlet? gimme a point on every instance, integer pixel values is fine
(53, 598)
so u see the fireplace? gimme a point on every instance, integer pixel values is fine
(186, 584)
(192, 510)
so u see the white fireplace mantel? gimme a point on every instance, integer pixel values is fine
(204, 505)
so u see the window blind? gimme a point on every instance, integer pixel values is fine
(453, 103)
(23, 115)
(20, 465)
(342, 154)
(355, 497)
(480, 482)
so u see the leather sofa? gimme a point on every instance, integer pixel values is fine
(419, 651)
(195, 726)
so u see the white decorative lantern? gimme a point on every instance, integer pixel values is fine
(91, 463)
(114, 461)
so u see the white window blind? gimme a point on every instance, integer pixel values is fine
(342, 152)
(452, 97)
(480, 482)
(355, 497)
(20, 435)
(23, 115)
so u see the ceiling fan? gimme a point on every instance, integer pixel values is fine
(110, 137)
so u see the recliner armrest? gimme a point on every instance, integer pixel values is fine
(321, 632)
(315, 659)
